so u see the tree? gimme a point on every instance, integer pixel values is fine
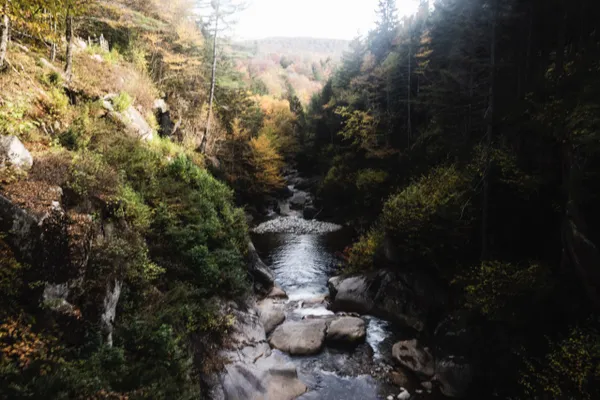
(4, 30)
(387, 25)
(220, 19)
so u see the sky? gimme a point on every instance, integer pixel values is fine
(331, 19)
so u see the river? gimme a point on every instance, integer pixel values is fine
(301, 255)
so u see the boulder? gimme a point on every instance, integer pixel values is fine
(131, 118)
(409, 298)
(351, 294)
(12, 152)
(254, 371)
(349, 330)
(298, 200)
(414, 357)
(271, 314)
(454, 376)
(300, 338)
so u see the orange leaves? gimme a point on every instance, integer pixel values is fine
(20, 344)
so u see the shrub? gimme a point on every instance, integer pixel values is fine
(56, 102)
(429, 220)
(122, 102)
(92, 176)
(362, 254)
(14, 120)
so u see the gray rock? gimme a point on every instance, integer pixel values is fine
(309, 212)
(131, 118)
(403, 395)
(300, 338)
(349, 330)
(351, 294)
(255, 371)
(277, 293)
(12, 152)
(296, 225)
(414, 357)
(271, 314)
(298, 200)
(454, 377)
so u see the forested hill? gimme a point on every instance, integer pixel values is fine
(464, 142)
(274, 63)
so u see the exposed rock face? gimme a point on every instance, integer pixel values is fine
(259, 272)
(414, 357)
(299, 200)
(409, 298)
(271, 314)
(256, 372)
(454, 377)
(300, 338)
(349, 330)
(131, 118)
(277, 293)
(107, 319)
(13, 152)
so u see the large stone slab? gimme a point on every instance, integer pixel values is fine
(300, 338)
(271, 314)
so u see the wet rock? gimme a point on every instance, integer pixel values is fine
(351, 294)
(298, 200)
(408, 297)
(349, 330)
(403, 395)
(255, 371)
(271, 314)
(296, 225)
(12, 152)
(300, 338)
(454, 377)
(414, 357)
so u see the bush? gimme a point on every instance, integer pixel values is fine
(362, 254)
(92, 176)
(122, 102)
(429, 221)
(56, 103)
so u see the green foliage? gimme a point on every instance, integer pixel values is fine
(92, 176)
(429, 216)
(55, 102)
(362, 254)
(122, 102)
(496, 289)
(569, 370)
(14, 119)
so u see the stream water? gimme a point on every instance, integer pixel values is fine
(301, 254)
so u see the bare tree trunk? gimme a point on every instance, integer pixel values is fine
(4, 28)
(213, 80)
(69, 34)
(488, 142)
(54, 47)
(409, 123)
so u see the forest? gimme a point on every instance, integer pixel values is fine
(139, 146)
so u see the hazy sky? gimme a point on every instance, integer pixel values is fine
(335, 19)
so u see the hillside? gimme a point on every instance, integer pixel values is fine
(306, 63)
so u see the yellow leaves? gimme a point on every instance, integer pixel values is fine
(267, 163)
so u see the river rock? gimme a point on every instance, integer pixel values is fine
(271, 314)
(296, 225)
(298, 200)
(454, 377)
(12, 152)
(403, 395)
(349, 330)
(409, 298)
(351, 294)
(300, 338)
(254, 371)
(414, 357)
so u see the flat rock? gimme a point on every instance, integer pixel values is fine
(300, 338)
(347, 329)
(271, 314)
(411, 355)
